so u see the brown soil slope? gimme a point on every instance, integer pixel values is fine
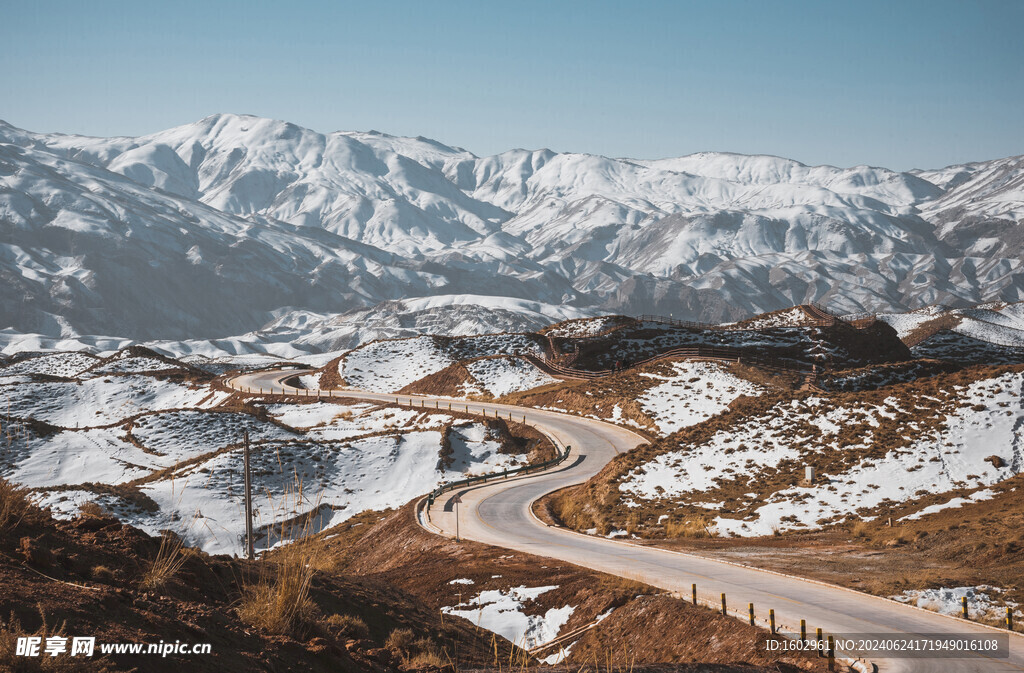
(83, 578)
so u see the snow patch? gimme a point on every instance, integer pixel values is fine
(501, 611)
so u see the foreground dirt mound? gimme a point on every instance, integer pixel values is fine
(92, 577)
(707, 640)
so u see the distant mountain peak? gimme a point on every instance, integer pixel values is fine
(268, 214)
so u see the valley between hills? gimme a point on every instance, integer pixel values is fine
(123, 489)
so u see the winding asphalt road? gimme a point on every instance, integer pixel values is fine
(499, 513)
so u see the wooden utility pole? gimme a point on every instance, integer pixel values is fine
(248, 498)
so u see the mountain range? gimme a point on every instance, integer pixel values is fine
(238, 224)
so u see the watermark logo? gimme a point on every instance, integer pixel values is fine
(81, 646)
(55, 645)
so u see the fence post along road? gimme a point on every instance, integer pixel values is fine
(497, 511)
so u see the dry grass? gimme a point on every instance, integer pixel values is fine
(625, 587)
(330, 377)
(415, 652)
(691, 528)
(430, 659)
(347, 626)
(568, 509)
(91, 509)
(128, 494)
(169, 559)
(14, 505)
(400, 641)
(102, 573)
(280, 602)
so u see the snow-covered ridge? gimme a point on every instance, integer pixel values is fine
(255, 218)
(996, 323)
(390, 365)
(694, 393)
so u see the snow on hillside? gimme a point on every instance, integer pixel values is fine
(962, 349)
(128, 364)
(342, 479)
(66, 365)
(388, 366)
(953, 503)
(998, 323)
(580, 329)
(254, 218)
(905, 323)
(103, 401)
(984, 330)
(501, 376)
(990, 190)
(75, 457)
(696, 392)
(791, 317)
(166, 458)
(948, 454)
(297, 333)
(501, 611)
(178, 435)
(220, 363)
(315, 415)
(949, 601)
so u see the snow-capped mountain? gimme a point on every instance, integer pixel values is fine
(217, 228)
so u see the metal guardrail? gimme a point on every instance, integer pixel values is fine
(494, 476)
(678, 323)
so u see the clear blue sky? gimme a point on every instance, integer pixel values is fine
(896, 83)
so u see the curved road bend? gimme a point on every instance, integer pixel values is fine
(499, 514)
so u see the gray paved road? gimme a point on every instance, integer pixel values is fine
(499, 514)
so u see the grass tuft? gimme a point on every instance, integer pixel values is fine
(92, 509)
(401, 640)
(347, 626)
(281, 603)
(169, 559)
(695, 528)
